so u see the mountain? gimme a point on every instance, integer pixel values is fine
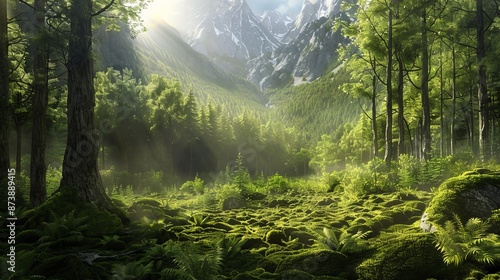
(277, 24)
(161, 50)
(227, 31)
(310, 50)
(313, 10)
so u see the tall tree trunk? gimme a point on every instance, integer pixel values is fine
(374, 116)
(388, 125)
(482, 93)
(441, 104)
(38, 169)
(453, 100)
(401, 116)
(426, 117)
(472, 124)
(80, 173)
(18, 123)
(4, 93)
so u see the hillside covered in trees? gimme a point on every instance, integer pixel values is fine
(125, 154)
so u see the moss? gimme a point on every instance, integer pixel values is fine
(408, 256)
(101, 223)
(452, 197)
(295, 274)
(314, 261)
(275, 237)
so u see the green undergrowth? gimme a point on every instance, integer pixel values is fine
(280, 231)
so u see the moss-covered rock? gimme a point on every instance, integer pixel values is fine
(469, 195)
(408, 256)
(314, 262)
(275, 237)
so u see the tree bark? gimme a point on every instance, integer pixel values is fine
(38, 169)
(388, 125)
(80, 173)
(482, 94)
(4, 93)
(401, 116)
(426, 117)
(453, 100)
(374, 116)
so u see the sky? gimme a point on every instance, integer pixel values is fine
(283, 6)
(160, 8)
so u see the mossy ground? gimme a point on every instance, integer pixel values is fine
(277, 236)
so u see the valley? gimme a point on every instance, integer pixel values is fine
(245, 139)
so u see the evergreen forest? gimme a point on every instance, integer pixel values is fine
(125, 154)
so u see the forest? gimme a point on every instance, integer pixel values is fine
(386, 167)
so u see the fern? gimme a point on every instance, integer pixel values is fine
(64, 231)
(193, 262)
(458, 242)
(345, 242)
(229, 247)
(199, 220)
(131, 271)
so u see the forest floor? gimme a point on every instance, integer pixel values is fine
(281, 236)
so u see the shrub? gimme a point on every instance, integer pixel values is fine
(409, 171)
(54, 176)
(151, 181)
(197, 186)
(366, 179)
(278, 184)
(227, 191)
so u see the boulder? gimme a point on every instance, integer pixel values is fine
(409, 256)
(314, 262)
(233, 203)
(275, 237)
(471, 195)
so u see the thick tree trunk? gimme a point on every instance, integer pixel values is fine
(426, 117)
(38, 169)
(4, 93)
(388, 125)
(80, 173)
(482, 93)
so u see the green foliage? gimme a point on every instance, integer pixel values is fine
(227, 191)
(193, 262)
(278, 184)
(241, 177)
(459, 242)
(324, 155)
(133, 270)
(197, 186)
(341, 241)
(53, 180)
(63, 232)
(368, 178)
(228, 246)
(199, 220)
(409, 172)
(319, 107)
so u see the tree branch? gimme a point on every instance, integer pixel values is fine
(104, 9)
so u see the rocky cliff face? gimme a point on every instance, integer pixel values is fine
(278, 25)
(309, 48)
(271, 51)
(226, 31)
